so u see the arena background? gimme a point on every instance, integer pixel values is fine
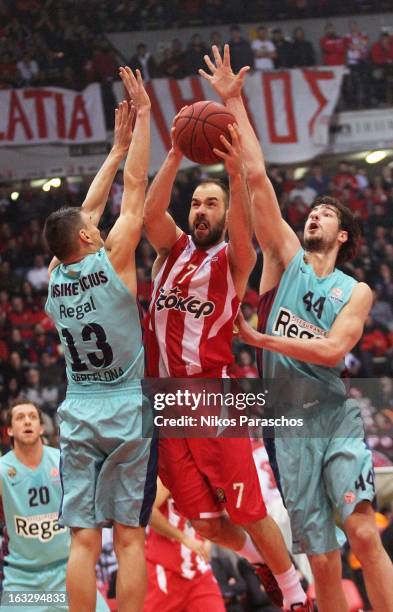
(323, 111)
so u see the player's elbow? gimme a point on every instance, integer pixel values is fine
(332, 355)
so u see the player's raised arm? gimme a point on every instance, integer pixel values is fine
(241, 253)
(273, 233)
(344, 334)
(97, 195)
(161, 229)
(125, 234)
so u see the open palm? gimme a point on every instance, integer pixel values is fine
(222, 78)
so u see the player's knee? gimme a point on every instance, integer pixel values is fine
(87, 541)
(320, 566)
(128, 540)
(364, 539)
(208, 528)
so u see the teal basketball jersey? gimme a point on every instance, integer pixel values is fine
(303, 306)
(97, 319)
(31, 501)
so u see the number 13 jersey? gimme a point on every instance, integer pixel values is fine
(190, 322)
(98, 322)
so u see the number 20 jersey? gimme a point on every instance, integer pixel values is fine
(303, 305)
(98, 322)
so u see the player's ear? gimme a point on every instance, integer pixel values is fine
(342, 236)
(84, 236)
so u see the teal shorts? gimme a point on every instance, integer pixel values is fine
(49, 582)
(108, 469)
(322, 479)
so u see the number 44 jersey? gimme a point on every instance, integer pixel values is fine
(97, 319)
(31, 500)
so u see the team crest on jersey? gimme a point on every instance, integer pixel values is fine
(336, 294)
(54, 473)
(290, 325)
(11, 472)
(42, 527)
(171, 299)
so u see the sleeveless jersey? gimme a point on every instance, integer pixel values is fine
(189, 326)
(98, 322)
(171, 554)
(31, 500)
(303, 306)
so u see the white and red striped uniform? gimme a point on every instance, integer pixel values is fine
(194, 303)
(173, 555)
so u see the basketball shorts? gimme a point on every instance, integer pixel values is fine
(108, 470)
(48, 582)
(209, 475)
(323, 479)
(167, 591)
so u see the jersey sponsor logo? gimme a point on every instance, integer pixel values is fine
(349, 497)
(41, 527)
(336, 295)
(54, 472)
(78, 312)
(290, 325)
(221, 495)
(173, 300)
(84, 283)
(104, 376)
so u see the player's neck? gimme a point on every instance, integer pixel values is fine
(322, 263)
(30, 456)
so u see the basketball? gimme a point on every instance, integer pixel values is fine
(198, 129)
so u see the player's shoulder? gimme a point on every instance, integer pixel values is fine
(362, 291)
(52, 453)
(7, 460)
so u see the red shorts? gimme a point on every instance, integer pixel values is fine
(208, 475)
(167, 591)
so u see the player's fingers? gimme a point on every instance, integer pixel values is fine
(130, 75)
(139, 77)
(204, 74)
(226, 143)
(220, 153)
(243, 71)
(227, 57)
(217, 56)
(234, 131)
(209, 63)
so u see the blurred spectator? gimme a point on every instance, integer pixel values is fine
(283, 57)
(382, 59)
(356, 89)
(264, 50)
(144, 61)
(333, 47)
(374, 343)
(216, 40)
(104, 65)
(302, 51)
(344, 177)
(194, 54)
(307, 193)
(318, 181)
(28, 69)
(9, 75)
(241, 51)
(38, 275)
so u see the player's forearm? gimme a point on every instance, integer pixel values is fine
(98, 193)
(159, 194)
(161, 525)
(137, 166)
(252, 153)
(240, 228)
(319, 351)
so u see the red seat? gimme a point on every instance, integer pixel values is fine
(351, 592)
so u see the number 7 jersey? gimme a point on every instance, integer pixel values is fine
(98, 322)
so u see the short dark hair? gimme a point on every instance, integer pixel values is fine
(347, 223)
(61, 229)
(18, 402)
(221, 184)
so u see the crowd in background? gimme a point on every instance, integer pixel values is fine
(30, 353)
(49, 44)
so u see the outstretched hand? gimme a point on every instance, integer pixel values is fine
(135, 88)
(222, 78)
(232, 157)
(122, 135)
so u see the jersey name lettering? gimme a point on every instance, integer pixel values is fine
(84, 283)
(290, 325)
(42, 526)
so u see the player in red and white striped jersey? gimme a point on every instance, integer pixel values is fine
(199, 281)
(180, 578)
